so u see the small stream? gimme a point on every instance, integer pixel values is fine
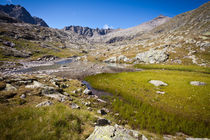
(64, 63)
(98, 93)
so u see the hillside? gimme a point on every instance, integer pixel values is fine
(184, 39)
(130, 33)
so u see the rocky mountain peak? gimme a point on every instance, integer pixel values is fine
(86, 31)
(20, 13)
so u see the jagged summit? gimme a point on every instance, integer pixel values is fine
(20, 13)
(86, 31)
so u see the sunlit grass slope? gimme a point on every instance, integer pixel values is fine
(54, 122)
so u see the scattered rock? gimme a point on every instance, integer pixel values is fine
(9, 87)
(157, 83)
(66, 94)
(79, 90)
(8, 51)
(9, 44)
(23, 96)
(144, 138)
(7, 95)
(102, 112)
(35, 84)
(100, 100)
(123, 58)
(47, 58)
(102, 122)
(75, 106)
(45, 103)
(57, 96)
(197, 139)
(197, 83)
(23, 82)
(87, 103)
(89, 108)
(2, 85)
(87, 91)
(160, 92)
(111, 60)
(62, 47)
(48, 90)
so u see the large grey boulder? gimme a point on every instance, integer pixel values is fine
(114, 133)
(197, 83)
(152, 56)
(157, 83)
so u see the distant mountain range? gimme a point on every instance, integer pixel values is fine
(86, 31)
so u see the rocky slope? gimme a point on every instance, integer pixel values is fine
(130, 33)
(20, 13)
(184, 39)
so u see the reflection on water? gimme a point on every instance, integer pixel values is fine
(66, 61)
(56, 65)
(96, 92)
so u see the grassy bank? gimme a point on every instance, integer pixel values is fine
(190, 68)
(54, 122)
(183, 107)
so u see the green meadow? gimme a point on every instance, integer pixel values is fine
(183, 107)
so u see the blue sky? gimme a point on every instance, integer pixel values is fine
(97, 13)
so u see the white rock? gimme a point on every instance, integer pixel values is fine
(9, 87)
(160, 92)
(87, 91)
(197, 83)
(45, 103)
(74, 106)
(144, 138)
(57, 96)
(35, 84)
(111, 60)
(157, 83)
(123, 58)
(100, 100)
(197, 139)
(23, 96)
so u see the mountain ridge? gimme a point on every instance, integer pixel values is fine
(20, 13)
